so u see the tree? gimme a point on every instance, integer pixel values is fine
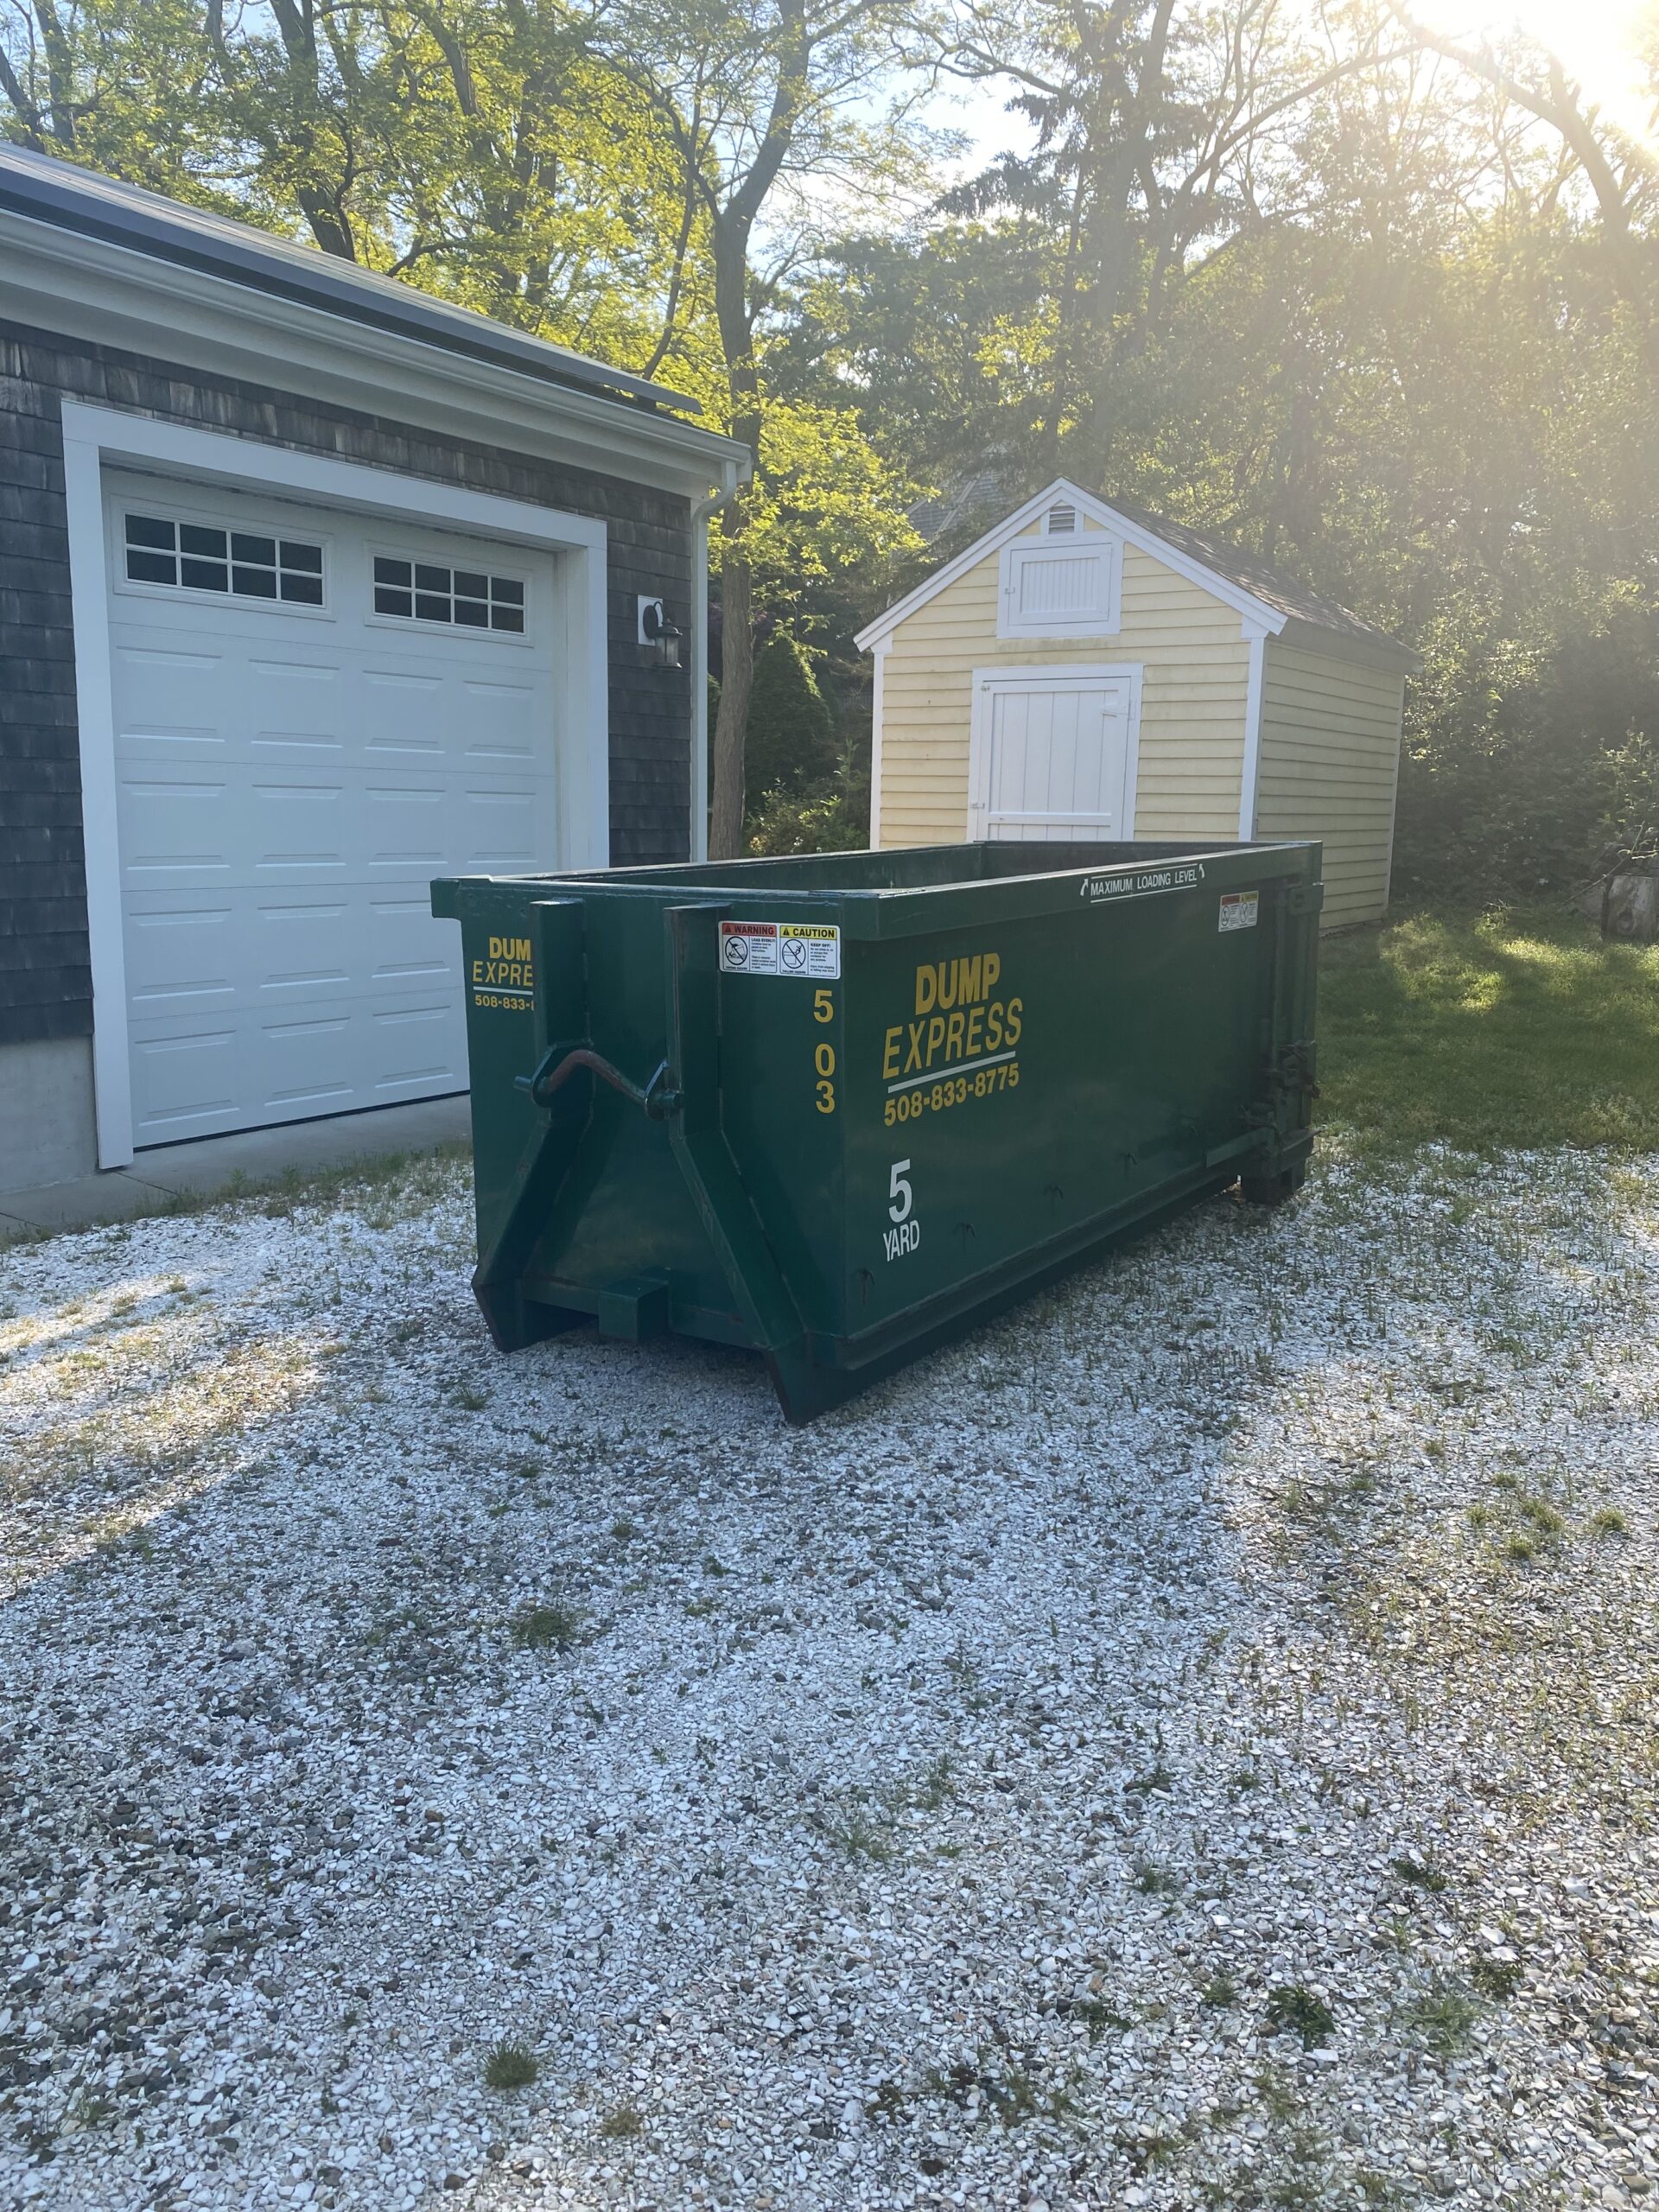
(758, 101)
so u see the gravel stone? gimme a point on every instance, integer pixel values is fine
(1194, 1743)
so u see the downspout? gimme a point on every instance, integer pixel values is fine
(701, 513)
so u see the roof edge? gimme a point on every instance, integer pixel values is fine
(84, 289)
(43, 190)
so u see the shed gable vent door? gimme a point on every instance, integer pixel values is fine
(1060, 587)
(1053, 761)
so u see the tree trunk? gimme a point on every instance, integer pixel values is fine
(731, 255)
(736, 682)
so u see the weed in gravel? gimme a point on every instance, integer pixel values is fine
(1420, 1873)
(623, 1532)
(935, 1787)
(861, 1839)
(1443, 2016)
(1301, 2186)
(1221, 1991)
(1277, 2092)
(1608, 1521)
(469, 1401)
(510, 2066)
(1496, 1978)
(621, 2125)
(546, 1628)
(1293, 2009)
(1156, 1779)
(1095, 2014)
(1153, 1880)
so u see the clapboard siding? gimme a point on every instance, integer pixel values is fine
(1195, 677)
(45, 978)
(1330, 757)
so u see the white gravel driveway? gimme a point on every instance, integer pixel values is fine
(1194, 1745)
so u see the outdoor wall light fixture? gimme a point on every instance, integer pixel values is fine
(659, 637)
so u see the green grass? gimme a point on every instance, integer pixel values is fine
(510, 2066)
(1512, 1027)
(546, 1628)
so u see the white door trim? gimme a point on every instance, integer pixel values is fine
(1052, 676)
(95, 436)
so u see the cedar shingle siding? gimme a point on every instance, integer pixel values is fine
(45, 980)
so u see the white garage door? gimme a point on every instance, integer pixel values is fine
(1052, 758)
(315, 713)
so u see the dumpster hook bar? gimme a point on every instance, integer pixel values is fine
(560, 1061)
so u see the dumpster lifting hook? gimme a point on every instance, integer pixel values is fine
(560, 1061)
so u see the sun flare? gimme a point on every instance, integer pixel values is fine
(1609, 48)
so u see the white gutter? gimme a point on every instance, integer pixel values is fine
(737, 473)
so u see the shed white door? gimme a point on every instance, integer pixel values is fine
(315, 713)
(1053, 756)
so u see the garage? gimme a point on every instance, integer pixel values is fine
(314, 714)
(313, 586)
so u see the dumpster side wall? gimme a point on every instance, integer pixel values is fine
(1195, 681)
(1329, 763)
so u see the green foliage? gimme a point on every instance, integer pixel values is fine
(510, 2066)
(1384, 317)
(546, 1628)
(791, 740)
(831, 818)
(1295, 2009)
(1509, 1028)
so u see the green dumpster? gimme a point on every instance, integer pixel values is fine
(840, 1108)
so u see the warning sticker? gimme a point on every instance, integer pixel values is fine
(803, 949)
(1238, 910)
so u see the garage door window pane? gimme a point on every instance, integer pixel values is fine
(195, 557)
(421, 591)
(151, 567)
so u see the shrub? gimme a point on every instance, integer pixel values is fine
(789, 744)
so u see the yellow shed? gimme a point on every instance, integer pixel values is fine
(1088, 670)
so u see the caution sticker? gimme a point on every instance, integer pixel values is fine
(803, 949)
(1238, 910)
